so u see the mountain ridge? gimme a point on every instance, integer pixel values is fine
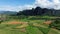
(39, 11)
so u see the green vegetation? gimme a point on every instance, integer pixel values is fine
(56, 24)
(34, 25)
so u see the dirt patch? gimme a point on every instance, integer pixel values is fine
(15, 22)
(22, 24)
(47, 22)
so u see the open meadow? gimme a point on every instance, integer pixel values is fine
(28, 25)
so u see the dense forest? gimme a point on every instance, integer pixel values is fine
(39, 11)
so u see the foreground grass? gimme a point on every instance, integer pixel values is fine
(34, 26)
(11, 29)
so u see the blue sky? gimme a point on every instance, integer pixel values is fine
(15, 5)
(18, 5)
(16, 2)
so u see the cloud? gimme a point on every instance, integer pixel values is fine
(16, 8)
(27, 7)
(8, 8)
(55, 4)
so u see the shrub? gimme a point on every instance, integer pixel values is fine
(55, 24)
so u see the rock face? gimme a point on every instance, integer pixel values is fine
(57, 12)
(39, 11)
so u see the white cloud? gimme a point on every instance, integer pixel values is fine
(27, 7)
(16, 8)
(8, 8)
(55, 4)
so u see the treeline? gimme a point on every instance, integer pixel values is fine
(39, 11)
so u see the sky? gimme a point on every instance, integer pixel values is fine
(19, 5)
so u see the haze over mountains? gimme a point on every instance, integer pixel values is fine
(8, 12)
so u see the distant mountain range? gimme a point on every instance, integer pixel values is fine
(33, 12)
(40, 11)
(8, 12)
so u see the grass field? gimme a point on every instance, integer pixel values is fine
(30, 25)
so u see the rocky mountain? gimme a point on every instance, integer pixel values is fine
(40, 11)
